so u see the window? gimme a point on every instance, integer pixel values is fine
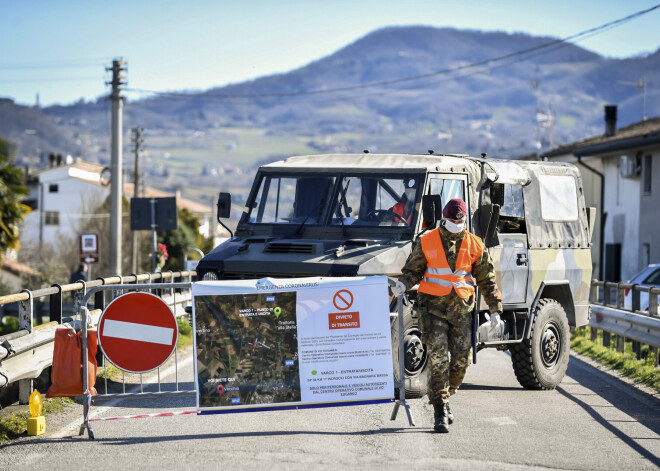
(53, 188)
(447, 189)
(376, 200)
(513, 201)
(653, 278)
(647, 175)
(291, 200)
(31, 203)
(558, 198)
(52, 218)
(512, 213)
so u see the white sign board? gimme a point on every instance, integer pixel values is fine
(291, 343)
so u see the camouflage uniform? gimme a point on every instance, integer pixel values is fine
(446, 321)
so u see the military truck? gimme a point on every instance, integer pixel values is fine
(359, 214)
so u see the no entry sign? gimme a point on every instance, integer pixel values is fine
(138, 332)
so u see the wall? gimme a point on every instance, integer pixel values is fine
(649, 229)
(73, 199)
(623, 214)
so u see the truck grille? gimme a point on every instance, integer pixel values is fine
(287, 247)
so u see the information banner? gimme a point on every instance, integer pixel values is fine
(291, 343)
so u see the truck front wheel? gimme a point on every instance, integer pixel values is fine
(540, 362)
(414, 352)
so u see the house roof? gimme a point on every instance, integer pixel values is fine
(639, 134)
(91, 172)
(15, 267)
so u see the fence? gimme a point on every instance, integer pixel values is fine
(621, 319)
(26, 353)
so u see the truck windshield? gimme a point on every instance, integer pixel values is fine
(376, 201)
(292, 200)
(346, 200)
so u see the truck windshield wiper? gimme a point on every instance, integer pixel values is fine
(316, 208)
(344, 203)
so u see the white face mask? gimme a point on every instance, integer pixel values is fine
(453, 227)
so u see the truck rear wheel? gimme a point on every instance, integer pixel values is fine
(540, 362)
(414, 351)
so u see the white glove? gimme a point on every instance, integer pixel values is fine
(398, 289)
(495, 320)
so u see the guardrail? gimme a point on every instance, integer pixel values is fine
(620, 320)
(26, 353)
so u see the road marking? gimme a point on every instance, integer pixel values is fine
(139, 332)
(73, 427)
(502, 421)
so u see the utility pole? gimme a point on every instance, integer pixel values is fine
(137, 140)
(116, 188)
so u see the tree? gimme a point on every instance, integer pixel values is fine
(12, 192)
(182, 239)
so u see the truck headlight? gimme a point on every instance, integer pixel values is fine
(210, 276)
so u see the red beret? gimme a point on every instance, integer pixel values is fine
(455, 209)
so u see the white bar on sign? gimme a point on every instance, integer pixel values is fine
(139, 332)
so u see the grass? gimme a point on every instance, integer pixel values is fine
(643, 371)
(185, 333)
(15, 425)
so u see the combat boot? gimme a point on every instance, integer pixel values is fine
(450, 414)
(441, 423)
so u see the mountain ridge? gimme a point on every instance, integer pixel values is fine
(491, 107)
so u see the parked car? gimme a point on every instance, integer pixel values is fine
(649, 276)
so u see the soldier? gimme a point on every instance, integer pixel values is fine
(446, 262)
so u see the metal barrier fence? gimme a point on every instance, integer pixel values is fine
(26, 353)
(622, 319)
(87, 398)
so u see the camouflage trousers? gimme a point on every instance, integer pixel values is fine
(447, 332)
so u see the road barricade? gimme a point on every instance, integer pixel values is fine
(260, 344)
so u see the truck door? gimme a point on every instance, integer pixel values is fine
(511, 256)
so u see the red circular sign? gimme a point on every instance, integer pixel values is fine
(138, 332)
(343, 299)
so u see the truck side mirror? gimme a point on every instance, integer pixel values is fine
(431, 209)
(224, 205)
(489, 217)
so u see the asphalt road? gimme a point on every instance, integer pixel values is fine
(593, 420)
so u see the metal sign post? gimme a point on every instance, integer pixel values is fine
(88, 250)
(155, 214)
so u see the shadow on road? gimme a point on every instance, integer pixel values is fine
(213, 436)
(645, 409)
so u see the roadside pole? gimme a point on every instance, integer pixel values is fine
(116, 189)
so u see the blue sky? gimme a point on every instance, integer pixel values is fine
(59, 49)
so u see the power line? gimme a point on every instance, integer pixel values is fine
(65, 64)
(62, 79)
(552, 45)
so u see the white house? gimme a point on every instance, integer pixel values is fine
(62, 195)
(621, 178)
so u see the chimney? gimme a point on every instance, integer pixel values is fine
(610, 120)
(51, 159)
(59, 160)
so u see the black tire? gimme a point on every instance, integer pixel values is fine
(540, 362)
(415, 354)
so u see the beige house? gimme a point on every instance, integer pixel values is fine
(621, 177)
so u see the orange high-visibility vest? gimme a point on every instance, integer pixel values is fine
(399, 209)
(439, 279)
